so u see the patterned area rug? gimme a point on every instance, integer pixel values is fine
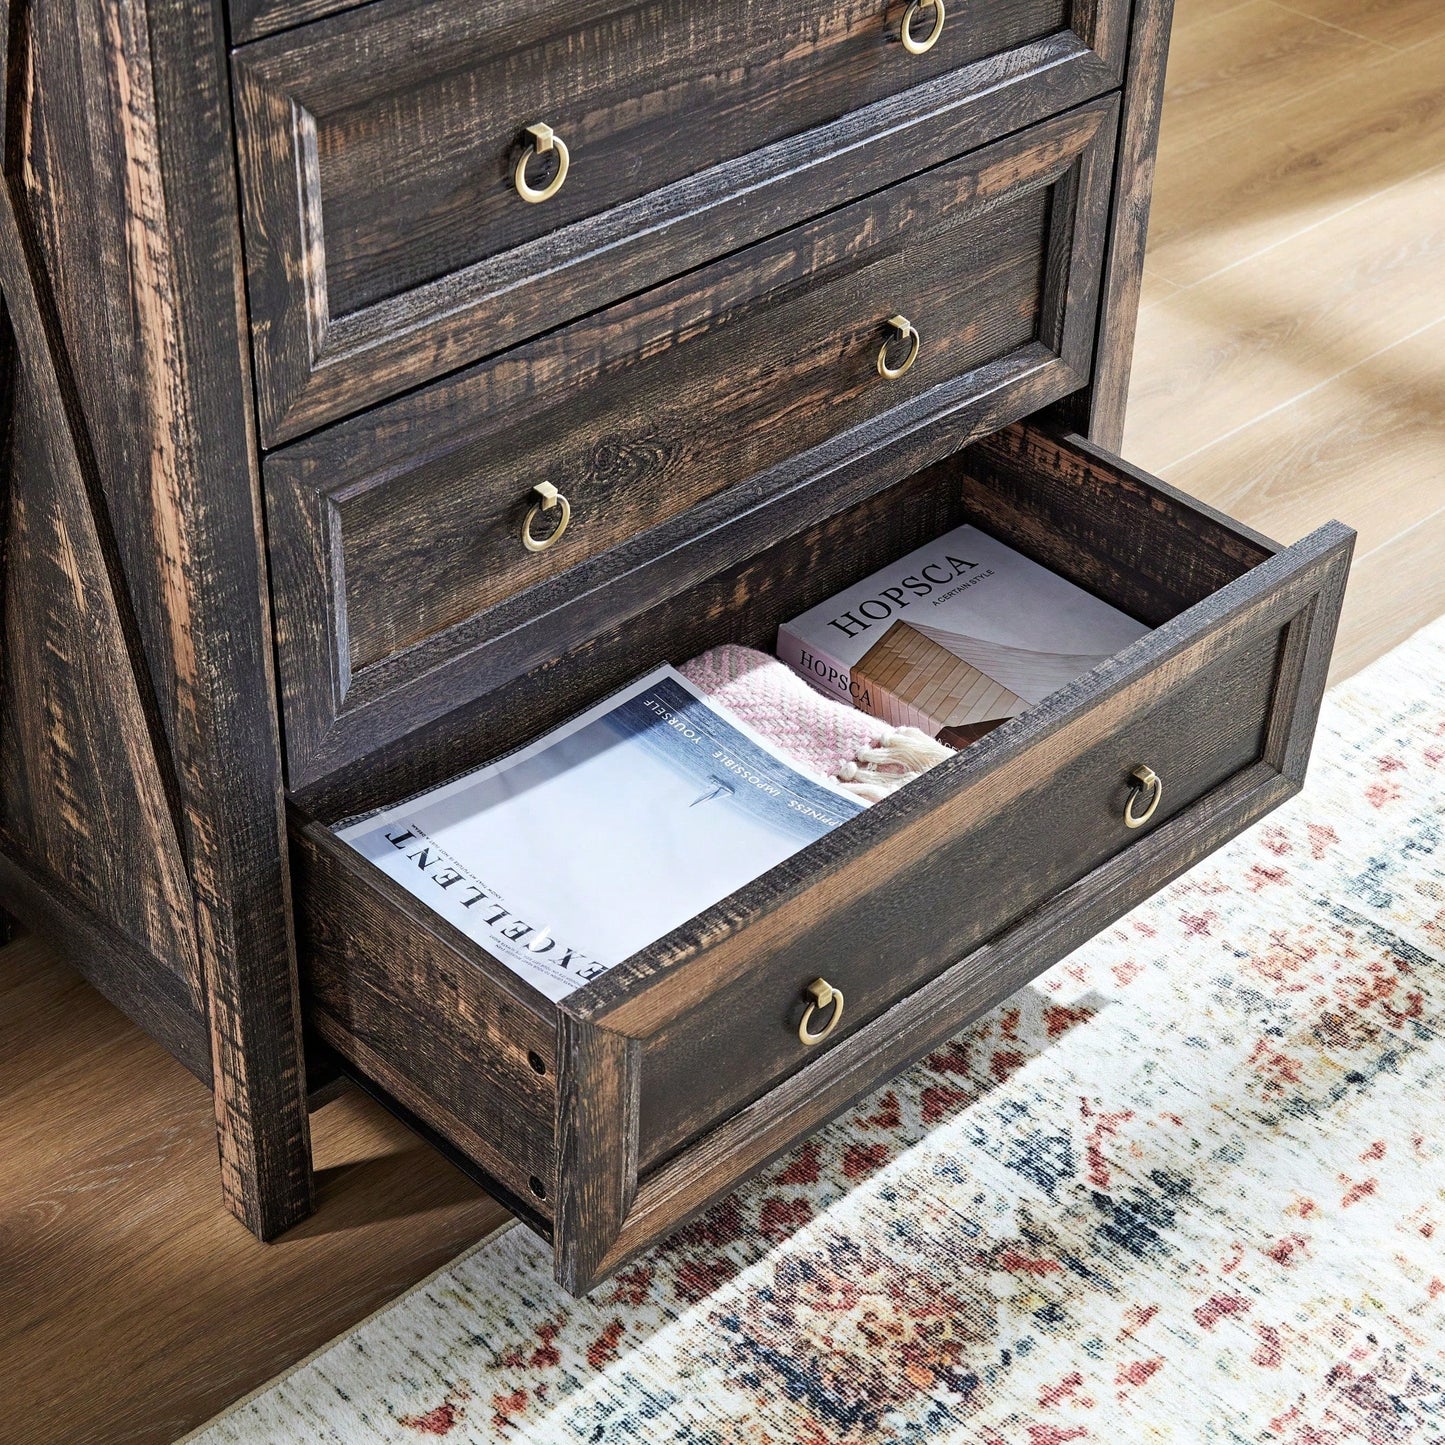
(1189, 1186)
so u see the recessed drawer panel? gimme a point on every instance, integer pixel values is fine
(427, 183)
(609, 1118)
(674, 433)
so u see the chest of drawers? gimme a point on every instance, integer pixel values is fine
(319, 316)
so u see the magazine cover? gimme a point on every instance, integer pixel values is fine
(570, 855)
(955, 638)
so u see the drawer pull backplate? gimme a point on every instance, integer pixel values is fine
(905, 330)
(1147, 785)
(551, 498)
(545, 141)
(821, 994)
(920, 45)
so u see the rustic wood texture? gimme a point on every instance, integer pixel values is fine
(128, 334)
(132, 1306)
(81, 796)
(1304, 582)
(1288, 366)
(689, 427)
(747, 601)
(386, 241)
(390, 987)
(748, 1140)
(642, 416)
(597, 1158)
(87, 796)
(1100, 410)
(251, 19)
(418, 111)
(741, 1038)
(148, 989)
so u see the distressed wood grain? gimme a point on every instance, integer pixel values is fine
(129, 330)
(689, 427)
(386, 240)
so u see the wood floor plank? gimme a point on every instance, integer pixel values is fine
(127, 1291)
(1293, 163)
(1156, 289)
(1367, 447)
(1398, 23)
(1253, 336)
(1231, 67)
(1197, 12)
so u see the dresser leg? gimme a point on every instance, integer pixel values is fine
(265, 1169)
(258, 1071)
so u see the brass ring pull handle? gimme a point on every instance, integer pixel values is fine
(1147, 785)
(544, 142)
(551, 498)
(903, 329)
(921, 47)
(822, 995)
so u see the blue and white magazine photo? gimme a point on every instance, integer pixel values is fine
(570, 855)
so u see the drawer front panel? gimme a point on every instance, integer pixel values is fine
(719, 386)
(1067, 820)
(408, 237)
(707, 400)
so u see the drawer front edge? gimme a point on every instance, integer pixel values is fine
(349, 686)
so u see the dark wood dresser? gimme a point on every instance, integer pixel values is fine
(385, 382)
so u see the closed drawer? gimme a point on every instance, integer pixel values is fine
(388, 238)
(612, 1116)
(685, 428)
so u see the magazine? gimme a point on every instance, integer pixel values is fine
(567, 857)
(955, 638)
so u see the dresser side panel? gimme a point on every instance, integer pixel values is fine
(120, 194)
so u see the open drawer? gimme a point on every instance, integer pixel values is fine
(610, 1117)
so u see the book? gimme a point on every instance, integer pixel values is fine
(955, 638)
(571, 854)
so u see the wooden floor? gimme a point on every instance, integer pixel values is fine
(1290, 364)
(1290, 367)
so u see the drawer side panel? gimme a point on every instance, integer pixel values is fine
(385, 988)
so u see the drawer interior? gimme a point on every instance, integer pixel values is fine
(1111, 530)
(589, 1114)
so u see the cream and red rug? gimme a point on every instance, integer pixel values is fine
(1189, 1186)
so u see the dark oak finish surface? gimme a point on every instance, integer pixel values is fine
(387, 241)
(740, 1040)
(394, 967)
(1100, 412)
(651, 1090)
(396, 538)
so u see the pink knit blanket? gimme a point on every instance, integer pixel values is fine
(829, 739)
